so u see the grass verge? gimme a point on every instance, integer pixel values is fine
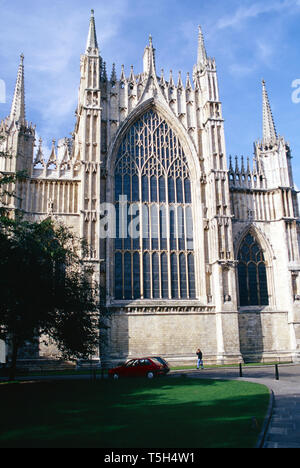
(137, 413)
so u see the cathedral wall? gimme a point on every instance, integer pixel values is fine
(46, 195)
(297, 337)
(71, 222)
(175, 336)
(228, 336)
(264, 336)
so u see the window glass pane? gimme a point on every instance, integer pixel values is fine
(243, 288)
(135, 225)
(174, 276)
(172, 230)
(163, 227)
(153, 185)
(162, 189)
(118, 276)
(136, 276)
(182, 266)
(118, 240)
(147, 281)
(187, 191)
(245, 253)
(135, 188)
(127, 222)
(180, 227)
(179, 191)
(264, 297)
(145, 193)
(154, 226)
(155, 275)
(118, 186)
(171, 190)
(146, 232)
(252, 278)
(189, 235)
(164, 276)
(126, 187)
(191, 273)
(249, 239)
(127, 276)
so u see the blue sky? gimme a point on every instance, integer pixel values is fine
(250, 40)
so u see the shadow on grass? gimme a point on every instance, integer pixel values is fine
(173, 413)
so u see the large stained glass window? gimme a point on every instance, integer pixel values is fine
(154, 257)
(252, 275)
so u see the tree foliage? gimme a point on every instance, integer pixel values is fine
(46, 288)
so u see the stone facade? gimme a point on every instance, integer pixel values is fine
(228, 203)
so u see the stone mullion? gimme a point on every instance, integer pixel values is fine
(168, 238)
(141, 237)
(159, 239)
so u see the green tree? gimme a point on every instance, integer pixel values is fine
(46, 288)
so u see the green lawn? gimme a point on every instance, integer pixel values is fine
(159, 413)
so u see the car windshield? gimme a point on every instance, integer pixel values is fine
(160, 360)
(145, 362)
(157, 361)
(131, 363)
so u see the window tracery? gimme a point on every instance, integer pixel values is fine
(153, 192)
(252, 276)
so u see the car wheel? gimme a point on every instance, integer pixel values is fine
(116, 376)
(150, 375)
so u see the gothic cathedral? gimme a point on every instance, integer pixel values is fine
(191, 250)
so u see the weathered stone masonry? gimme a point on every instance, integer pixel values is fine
(236, 292)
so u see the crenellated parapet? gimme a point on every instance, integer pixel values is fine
(244, 175)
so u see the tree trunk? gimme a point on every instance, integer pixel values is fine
(13, 364)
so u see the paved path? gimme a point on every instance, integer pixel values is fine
(284, 427)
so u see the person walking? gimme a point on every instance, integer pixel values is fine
(200, 359)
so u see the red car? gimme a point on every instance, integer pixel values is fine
(143, 367)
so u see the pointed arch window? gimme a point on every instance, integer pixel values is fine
(154, 256)
(252, 275)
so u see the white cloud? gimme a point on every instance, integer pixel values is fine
(247, 12)
(239, 70)
(265, 50)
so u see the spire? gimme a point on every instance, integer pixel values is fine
(92, 43)
(104, 73)
(113, 76)
(39, 157)
(149, 57)
(17, 112)
(179, 83)
(188, 82)
(269, 130)
(202, 55)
